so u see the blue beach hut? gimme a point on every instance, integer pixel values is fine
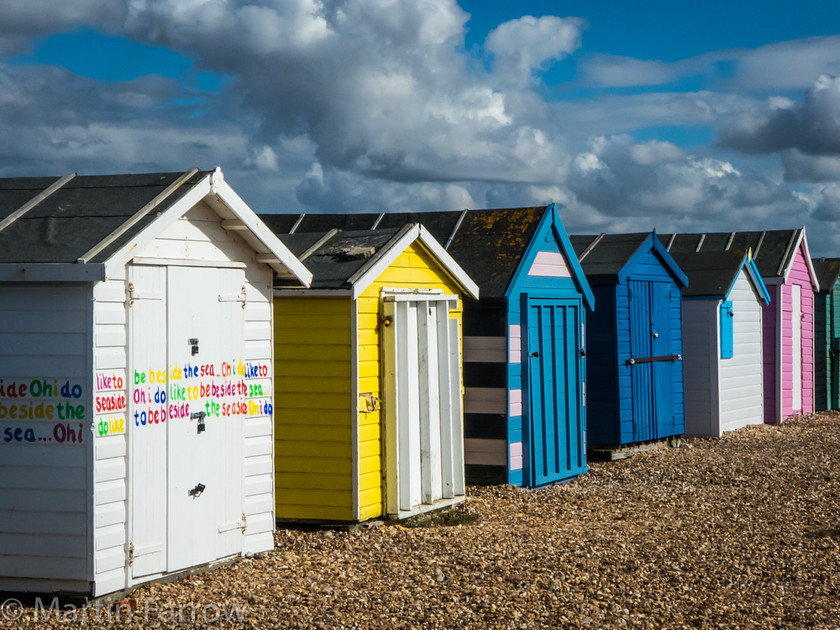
(634, 349)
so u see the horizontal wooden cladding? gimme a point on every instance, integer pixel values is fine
(304, 512)
(43, 569)
(320, 449)
(291, 402)
(315, 336)
(485, 400)
(294, 433)
(485, 452)
(55, 321)
(309, 464)
(483, 349)
(306, 480)
(49, 500)
(312, 385)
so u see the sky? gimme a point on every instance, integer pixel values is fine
(632, 116)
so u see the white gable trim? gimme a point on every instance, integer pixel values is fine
(363, 278)
(229, 205)
(801, 241)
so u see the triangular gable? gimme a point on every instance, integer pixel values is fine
(413, 232)
(801, 249)
(748, 266)
(563, 264)
(652, 243)
(235, 215)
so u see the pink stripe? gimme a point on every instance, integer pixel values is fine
(516, 456)
(515, 343)
(550, 264)
(515, 403)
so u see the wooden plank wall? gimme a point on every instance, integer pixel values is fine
(45, 342)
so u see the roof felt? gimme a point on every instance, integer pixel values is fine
(710, 274)
(827, 271)
(488, 245)
(80, 214)
(339, 256)
(610, 254)
(771, 249)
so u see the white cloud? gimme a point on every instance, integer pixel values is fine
(527, 44)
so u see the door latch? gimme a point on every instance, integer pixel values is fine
(196, 492)
(193, 346)
(535, 353)
(655, 335)
(199, 415)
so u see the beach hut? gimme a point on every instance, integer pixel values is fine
(827, 334)
(635, 341)
(524, 370)
(782, 259)
(368, 415)
(722, 341)
(135, 378)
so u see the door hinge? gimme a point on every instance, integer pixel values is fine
(129, 556)
(242, 298)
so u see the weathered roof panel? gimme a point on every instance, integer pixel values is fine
(710, 274)
(610, 254)
(79, 215)
(338, 257)
(488, 245)
(771, 248)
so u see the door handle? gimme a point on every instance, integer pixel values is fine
(196, 492)
(535, 354)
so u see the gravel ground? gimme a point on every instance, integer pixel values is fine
(741, 532)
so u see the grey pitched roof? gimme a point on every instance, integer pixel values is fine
(827, 271)
(488, 244)
(607, 253)
(772, 250)
(710, 274)
(80, 214)
(337, 256)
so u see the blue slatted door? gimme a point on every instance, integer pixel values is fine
(650, 337)
(554, 382)
(641, 374)
(663, 381)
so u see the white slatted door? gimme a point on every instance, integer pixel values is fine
(147, 439)
(796, 359)
(205, 480)
(424, 437)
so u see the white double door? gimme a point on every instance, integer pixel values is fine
(424, 443)
(185, 453)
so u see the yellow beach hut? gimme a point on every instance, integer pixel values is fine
(368, 408)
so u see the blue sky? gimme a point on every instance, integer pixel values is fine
(669, 115)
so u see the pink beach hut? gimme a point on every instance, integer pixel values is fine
(783, 260)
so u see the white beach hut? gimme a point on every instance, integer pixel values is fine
(136, 379)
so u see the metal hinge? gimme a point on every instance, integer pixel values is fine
(129, 557)
(242, 298)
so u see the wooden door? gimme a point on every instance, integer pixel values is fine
(555, 447)
(146, 431)
(651, 360)
(424, 437)
(205, 447)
